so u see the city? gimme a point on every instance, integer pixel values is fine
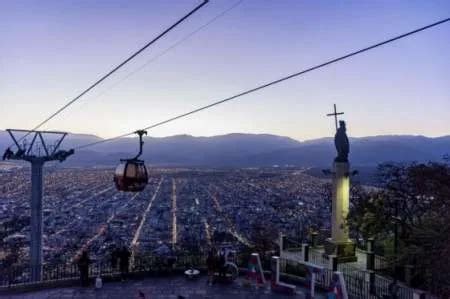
(179, 209)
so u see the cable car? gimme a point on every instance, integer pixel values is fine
(131, 174)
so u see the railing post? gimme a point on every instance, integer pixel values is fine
(370, 260)
(305, 252)
(280, 241)
(283, 242)
(370, 245)
(333, 262)
(314, 239)
(409, 274)
(370, 278)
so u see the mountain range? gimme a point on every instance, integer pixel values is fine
(251, 150)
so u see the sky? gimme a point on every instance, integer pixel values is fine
(53, 50)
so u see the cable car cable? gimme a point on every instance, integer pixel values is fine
(167, 50)
(273, 82)
(117, 67)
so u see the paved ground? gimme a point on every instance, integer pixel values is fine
(156, 288)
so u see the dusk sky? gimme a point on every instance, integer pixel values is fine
(52, 50)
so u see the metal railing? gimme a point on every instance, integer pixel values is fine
(16, 276)
(381, 263)
(357, 280)
(317, 257)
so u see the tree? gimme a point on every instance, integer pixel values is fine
(416, 199)
(263, 237)
(367, 217)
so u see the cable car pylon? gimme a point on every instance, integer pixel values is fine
(131, 174)
(32, 154)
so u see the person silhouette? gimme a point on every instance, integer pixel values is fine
(83, 267)
(124, 262)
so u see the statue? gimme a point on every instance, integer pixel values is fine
(341, 143)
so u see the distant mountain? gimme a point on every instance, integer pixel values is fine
(186, 150)
(252, 150)
(364, 151)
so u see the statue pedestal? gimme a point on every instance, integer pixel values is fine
(345, 252)
(339, 244)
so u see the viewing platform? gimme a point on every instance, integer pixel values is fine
(155, 278)
(157, 287)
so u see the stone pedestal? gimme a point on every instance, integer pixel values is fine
(345, 252)
(339, 244)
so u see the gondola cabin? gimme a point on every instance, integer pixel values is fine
(131, 174)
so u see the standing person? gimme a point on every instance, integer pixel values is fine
(222, 270)
(211, 263)
(114, 258)
(124, 262)
(83, 267)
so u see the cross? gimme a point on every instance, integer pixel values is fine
(335, 114)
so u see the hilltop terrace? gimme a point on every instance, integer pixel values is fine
(155, 278)
(155, 288)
